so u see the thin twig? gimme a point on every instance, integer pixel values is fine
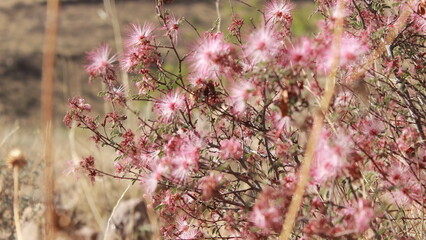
(84, 184)
(114, 209)
(13, 131)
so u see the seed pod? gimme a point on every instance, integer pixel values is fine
(16, 159)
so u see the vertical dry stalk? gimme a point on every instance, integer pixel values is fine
(112, 13)
(219, 18)
(16, 203)
(319, 117)
(48, 75)
(16, 161)
(111, 10)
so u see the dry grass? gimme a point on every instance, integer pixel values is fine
(85, 204)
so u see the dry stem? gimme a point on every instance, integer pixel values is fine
(48, 75)
(16, 203)
(316, 129)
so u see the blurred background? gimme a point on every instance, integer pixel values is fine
(82, 208)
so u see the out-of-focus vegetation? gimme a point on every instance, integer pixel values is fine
(83, 26)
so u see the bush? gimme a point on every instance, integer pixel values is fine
(222, 154)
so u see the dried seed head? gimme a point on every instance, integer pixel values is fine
(16, 158)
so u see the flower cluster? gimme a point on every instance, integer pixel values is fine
(221, 152)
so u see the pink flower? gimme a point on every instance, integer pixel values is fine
(187, 232)
(343, 100)
(407, 139)
(302, 52)
(372, 127)
(140, 50)
(145, 85)
(351, 48)
(212, 57)
(240, 94)
(330, 160)
(269, 209)
(182, 166)
(262, 45)
(182, 154)
(169, 106)
(209, 185)
(150, 181)
(231, 149)
(139, 35)
(100, 63)
(79, 104)
(327, 164)
(359, 217)
(406, 187)
(172, 27)
(420, 23)
(279, 11)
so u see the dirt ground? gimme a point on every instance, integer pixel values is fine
(83, 26)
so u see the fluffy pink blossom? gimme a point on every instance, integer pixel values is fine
(372, 127)
(183, 166)
(209, 185)
(351, 48)
(172, 27)
(330, 159)
(213, 56)
(269, 209)
(420, 23)
(182, 154)
(406, 187)
(241, 92)
(302, 52)
(186, 231)
(231, 148)
(262, 45)
(279, 11)
(281, 124)
(150, 181)
(327, 164)
(343, 99)
(358, 217)
(100, 63)
(139, 34)
(140, 48)
(407, 139)
(169, 106)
